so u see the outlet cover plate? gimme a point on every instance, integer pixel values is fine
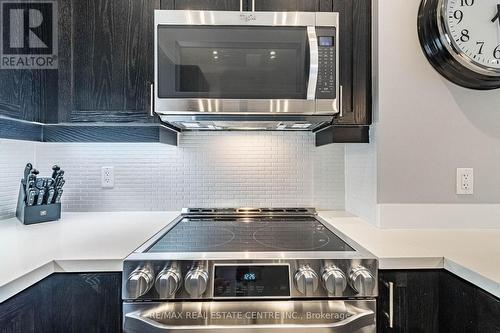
(107, 177)
(465, 181)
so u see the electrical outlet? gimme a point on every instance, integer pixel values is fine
(465, 181)
(108, 177)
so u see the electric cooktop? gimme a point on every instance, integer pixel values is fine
(249, 234)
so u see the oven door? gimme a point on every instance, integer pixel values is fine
(231, 62)
(336, 316)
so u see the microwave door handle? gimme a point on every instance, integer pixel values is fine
(313, 63)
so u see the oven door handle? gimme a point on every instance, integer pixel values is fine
(313, 63)
(135, 323)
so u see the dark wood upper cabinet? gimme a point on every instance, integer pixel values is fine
(287, 5)
(28, 94)
(106, 65)
(202, 4)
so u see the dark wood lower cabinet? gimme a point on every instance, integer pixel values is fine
(427, 301)
(66, 303)
(416, 296)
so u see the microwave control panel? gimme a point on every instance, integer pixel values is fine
(327, 63)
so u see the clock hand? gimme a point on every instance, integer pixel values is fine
(497, 16)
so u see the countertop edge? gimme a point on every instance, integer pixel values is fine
(473, 277)
(27, 280)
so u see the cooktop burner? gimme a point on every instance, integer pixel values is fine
(249, 234)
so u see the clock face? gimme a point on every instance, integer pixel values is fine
(474, 27)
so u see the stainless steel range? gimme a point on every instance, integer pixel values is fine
(249, 270)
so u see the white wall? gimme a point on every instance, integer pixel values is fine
(426, 128)
(207, 169)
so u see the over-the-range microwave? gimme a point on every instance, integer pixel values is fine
(246, 70)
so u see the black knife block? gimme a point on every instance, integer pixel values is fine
(36, 214)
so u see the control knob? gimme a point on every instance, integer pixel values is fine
(334, 280)
(168, 282)
(306, 280)
(139, 282)
(361, 280)
(196, 282)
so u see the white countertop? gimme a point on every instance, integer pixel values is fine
(79, 242)
(472, 254)
(90, 242)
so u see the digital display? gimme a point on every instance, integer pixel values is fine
(249, 277)
(251, 281)
(326, 41)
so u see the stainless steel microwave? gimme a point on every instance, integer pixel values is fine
(246, 70)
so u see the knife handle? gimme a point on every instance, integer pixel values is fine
(40, 183)
(55, 169)
(59, 195)
(41, 195)
(31, 197)
(50, 195)
(27, 171)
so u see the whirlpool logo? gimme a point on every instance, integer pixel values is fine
(28, 35)
(248, 17)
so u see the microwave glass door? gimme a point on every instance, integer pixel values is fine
(232, 62)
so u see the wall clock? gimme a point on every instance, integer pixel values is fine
(461, 39)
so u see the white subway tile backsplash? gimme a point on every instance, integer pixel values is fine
(13, 158)
(207, 169)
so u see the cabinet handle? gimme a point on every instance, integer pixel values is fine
(151, 99)
(390, 314)
(341, 101)
(253, 5)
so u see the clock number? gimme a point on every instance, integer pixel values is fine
(467, 3)
(496, 53)
(480, 47)
(465, 36)
(458, 15)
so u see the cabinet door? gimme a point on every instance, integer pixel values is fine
(355, 60)
(290, 5)
(488, 312)
(203, 4)
(29, 94)
(415, 301)
(66, 302)
(457, 305)
(87, 302)
(105, 60)
(466, 308)
(29, 311)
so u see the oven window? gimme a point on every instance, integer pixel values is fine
(232, 62)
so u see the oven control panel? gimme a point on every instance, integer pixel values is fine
(327, 63)
(251, 281)
(145, 280)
